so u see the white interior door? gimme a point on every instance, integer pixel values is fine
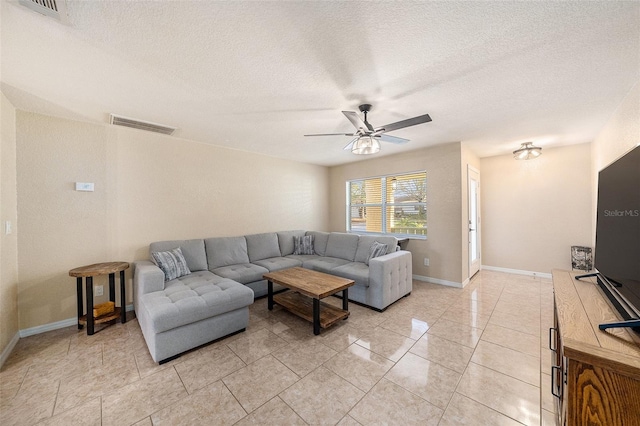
(474, 220)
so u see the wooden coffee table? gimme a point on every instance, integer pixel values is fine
(307, 288)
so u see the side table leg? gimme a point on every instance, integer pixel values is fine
(316, 316)
(89, 285)
(270, 295)
(112, 288)
(79, 300)
(123, 308)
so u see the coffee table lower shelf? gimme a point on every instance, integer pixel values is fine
(302, 306)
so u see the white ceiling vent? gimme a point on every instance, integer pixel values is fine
(119, 120)
(56, 9)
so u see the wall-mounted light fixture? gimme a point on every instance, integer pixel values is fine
(527, 151)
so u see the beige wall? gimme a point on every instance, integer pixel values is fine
(168, 188)
(533, 211)
(444, 210)
(148, 187)
(60, 228)
(620, 135)
(8, 212)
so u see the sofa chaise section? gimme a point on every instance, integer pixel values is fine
(178, 315)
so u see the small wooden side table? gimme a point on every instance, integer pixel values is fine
(89, 272)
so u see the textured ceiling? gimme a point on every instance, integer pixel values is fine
(256, 76)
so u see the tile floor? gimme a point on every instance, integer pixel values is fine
(442, 356)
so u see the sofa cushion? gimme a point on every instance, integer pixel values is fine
(285, 240)
(226, 251)
(192, 250)
(303, 258)
(319, 241)
(325, 264)
(196, 279)
(356, 271)
(303, 244)
(179, 304)
(365, 242)
(243, 273)
(278, 263)
(262, 246)
(342, 246)
(376, 250)
(172, 263)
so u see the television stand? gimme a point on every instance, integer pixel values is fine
(595, 375)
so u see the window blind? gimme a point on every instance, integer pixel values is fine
(392, 204)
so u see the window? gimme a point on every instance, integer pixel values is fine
(394, 204)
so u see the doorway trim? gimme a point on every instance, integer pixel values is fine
(474, 221)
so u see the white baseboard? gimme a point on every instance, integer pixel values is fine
(48, 327)
(439, 281)
(487, 268)
(7, 350)
(517, 271)
(56, 325)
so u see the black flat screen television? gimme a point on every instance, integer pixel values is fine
(617, 253)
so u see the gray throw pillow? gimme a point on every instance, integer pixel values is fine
(376, 249)
(172, 263)
(303, 245)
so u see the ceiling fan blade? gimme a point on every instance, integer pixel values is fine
(404, 123)
(356, 120)
(350, 144)
(331, 134)
(392, 139)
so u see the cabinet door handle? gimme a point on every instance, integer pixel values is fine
(558, 393)
(551, 339)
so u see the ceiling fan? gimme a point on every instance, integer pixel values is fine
(367, 138)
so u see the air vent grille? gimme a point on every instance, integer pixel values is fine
(56, 9)
(119, 120)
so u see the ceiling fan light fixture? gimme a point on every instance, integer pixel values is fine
(366, 145)
(367, 138)
(527, 151)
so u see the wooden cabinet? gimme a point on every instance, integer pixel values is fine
(596, 374)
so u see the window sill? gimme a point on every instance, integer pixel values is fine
(398, 236)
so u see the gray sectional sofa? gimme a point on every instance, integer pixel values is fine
(226, 275)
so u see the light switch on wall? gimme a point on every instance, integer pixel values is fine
(7, 227)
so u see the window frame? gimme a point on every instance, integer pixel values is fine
(384, 206)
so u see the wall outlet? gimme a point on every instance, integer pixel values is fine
(98, 290)
(426, 261)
